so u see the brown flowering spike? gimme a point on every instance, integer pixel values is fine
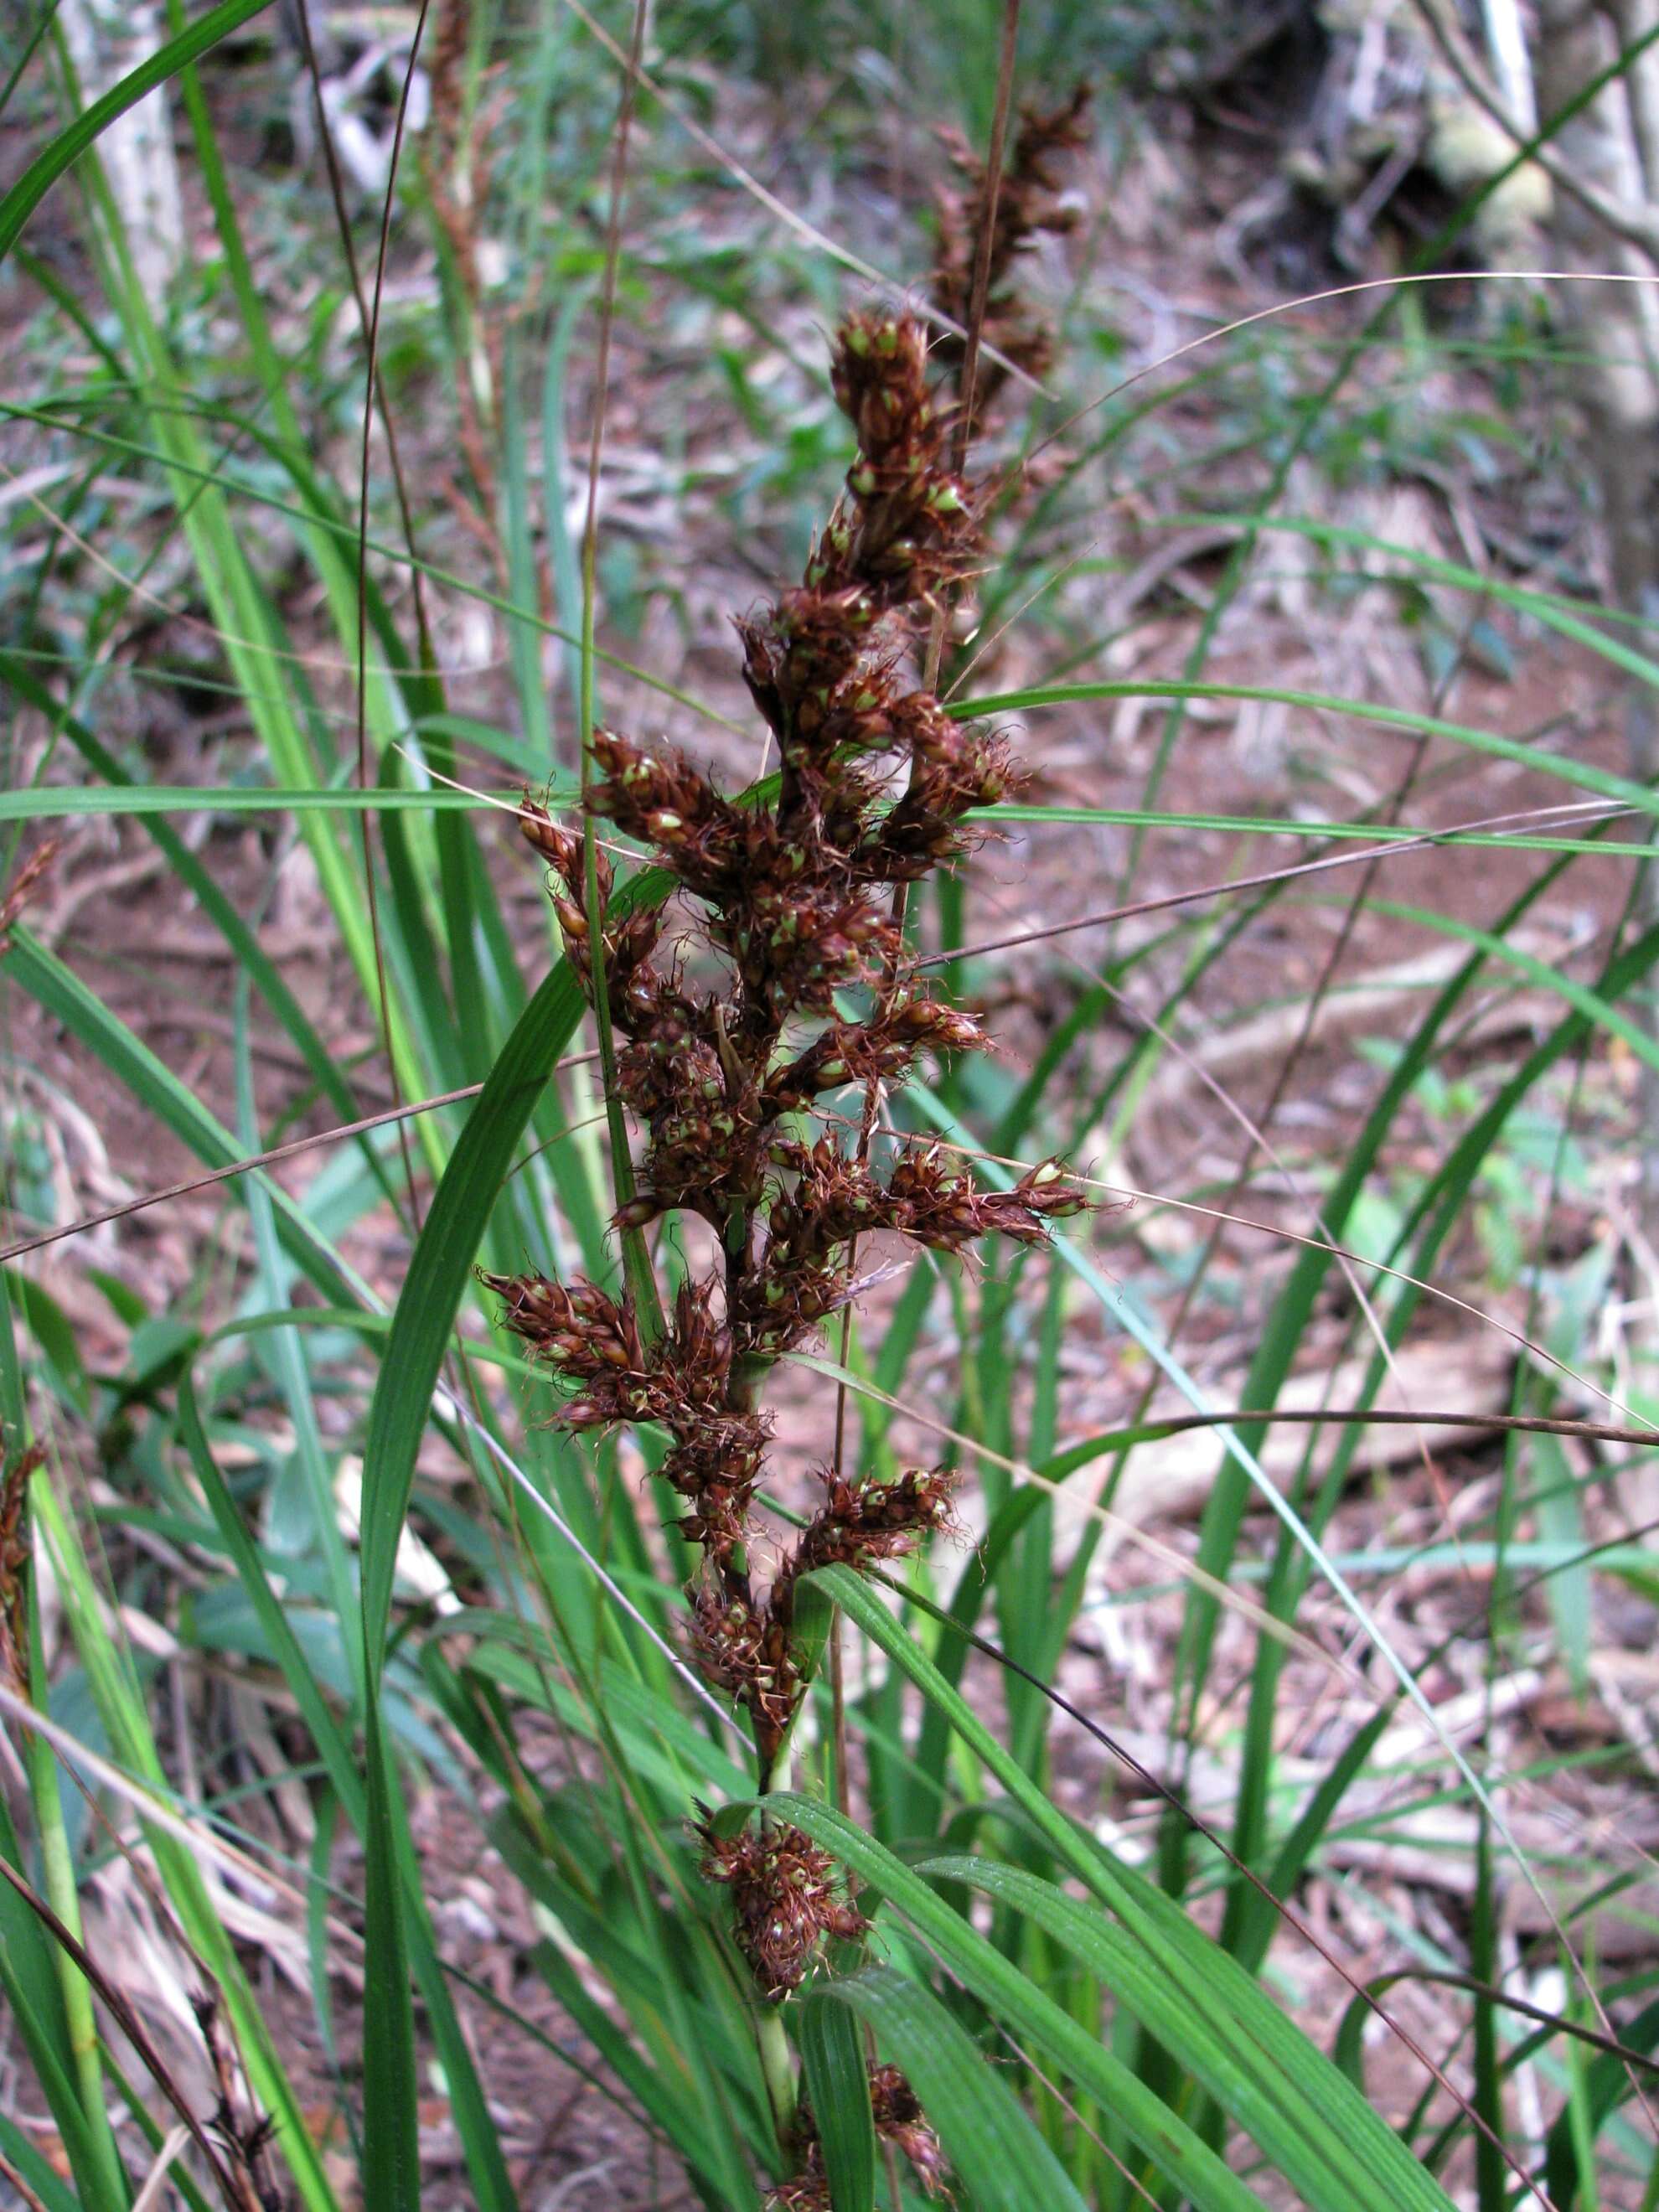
(1027, 204)
(952, 769)
(22, 888)
(560, 848)
(15, 1563)
(805, 2191)
(746, 1651)
(785, 1901)
(580, 1330)
(790, 896)
(898, 2120)
(629, 939)
(945, 1209)
(879, 1050)
(671, 804)
(862, 1523)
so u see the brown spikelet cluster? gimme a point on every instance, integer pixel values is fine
(22, 888)
(791, 901)
(1027, 204)
(898, 2119)
(784, 1900)
(14, 1568)
(445, 73)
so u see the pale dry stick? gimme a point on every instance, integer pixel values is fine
(148, 2198)
(372, 344)
(819, 239)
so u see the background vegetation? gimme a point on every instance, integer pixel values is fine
(1258, 1807)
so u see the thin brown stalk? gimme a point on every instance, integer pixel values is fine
(349, 251)
(115, 2002)
(961, 435)
(373, 347)
(636, 1262)
(1359, 856)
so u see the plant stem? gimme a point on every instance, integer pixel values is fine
(57, 1884)
(636, 1259)
(771, 2038)
(778, 2067)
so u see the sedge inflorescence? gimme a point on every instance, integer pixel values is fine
(796, 889)
(784, 1900)
(876, 780)
(1028, 204)
(898, 2119)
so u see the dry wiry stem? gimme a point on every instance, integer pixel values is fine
(227, 2162)
(246, 2142)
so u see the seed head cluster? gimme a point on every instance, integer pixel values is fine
(1028, 202)
(784, 1900)
(794, 894)
(15, 1561)
(899, 2121)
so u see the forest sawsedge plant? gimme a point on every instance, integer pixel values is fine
(1286, 1334)
(799, 898)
